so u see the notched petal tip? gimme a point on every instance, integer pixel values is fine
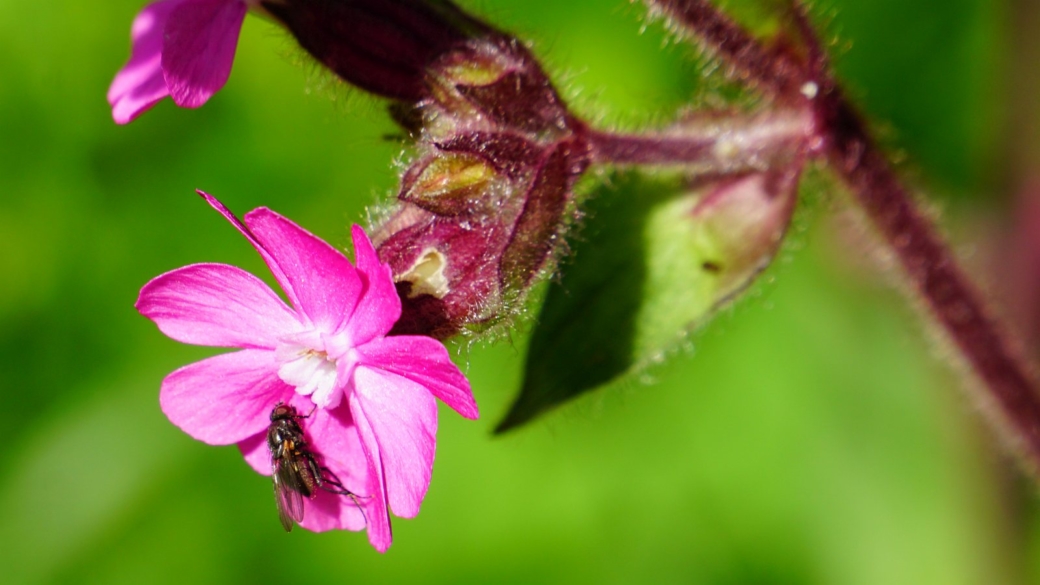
(214, 202)
(139, 84)
(230, 216)
(198, 48)
(268, 257)
(379, 307)
(324, 285)
(361, 241)
(366, 258)
(125, 111)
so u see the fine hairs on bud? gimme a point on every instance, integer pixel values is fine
(484, 205)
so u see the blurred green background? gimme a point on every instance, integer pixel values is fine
(813, 434)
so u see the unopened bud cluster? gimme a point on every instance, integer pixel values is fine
(481, 209)
(486, 201)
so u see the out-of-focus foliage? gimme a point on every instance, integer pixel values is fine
(810, 435)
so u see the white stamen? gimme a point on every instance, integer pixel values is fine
(427, 275)
(311, 372)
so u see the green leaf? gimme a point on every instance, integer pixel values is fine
(656, 257)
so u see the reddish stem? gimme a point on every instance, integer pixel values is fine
(926, 259)
(717, 143)
(608, 148)
(932, 267)
(771, 69)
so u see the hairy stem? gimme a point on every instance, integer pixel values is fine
(932, 268)
(718, 143)
(927, 261)
(772, 70)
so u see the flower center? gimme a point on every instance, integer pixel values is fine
(307, 365)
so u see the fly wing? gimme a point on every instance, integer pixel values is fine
(286, 494)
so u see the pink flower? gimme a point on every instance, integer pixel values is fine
(182, 49)
(375, 420)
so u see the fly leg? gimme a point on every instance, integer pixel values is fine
(329, 482)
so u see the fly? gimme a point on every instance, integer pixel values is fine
(295, 468)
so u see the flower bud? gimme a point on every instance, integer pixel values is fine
(483, 208)
(381, 46)
(498, 83)
(736, 225)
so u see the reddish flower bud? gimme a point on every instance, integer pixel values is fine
(499, 83)
(382, 46)
(483, 208)
(736, 224)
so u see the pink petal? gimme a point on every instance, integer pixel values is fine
(379, 306)
(334, 438)
(425, 361)
(279, 275)
(140, 84)
(256, 453)
(199, 47)
(217, 305)
(327, 511)
(398, 420)
(325, 283)
(226, 398)
(377, 508)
